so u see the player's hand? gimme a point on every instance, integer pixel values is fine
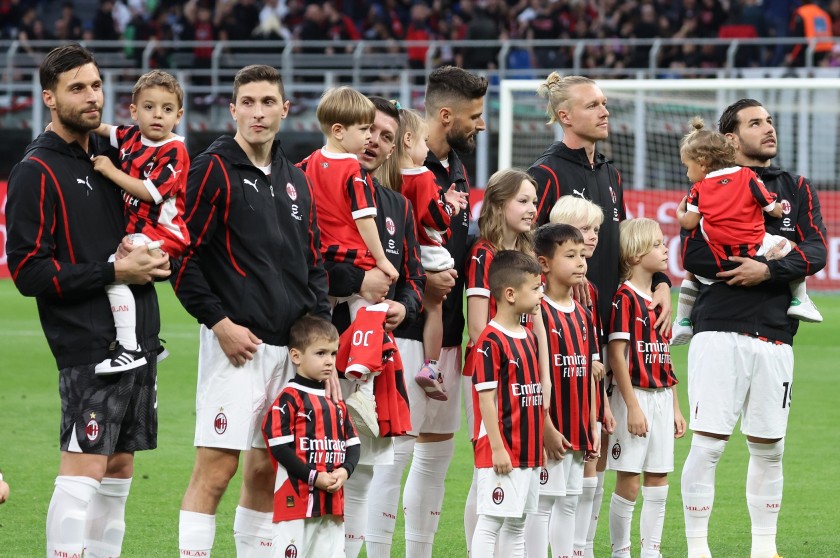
(555, 444)
(103, 165)
(750, 273)
(598, 370)
(332, 387)
(780, 250)
(636, 422)
(458, 200)
(323, 481)
(394, 316)
(375, 285)
(339, 477)
(141, 266)
(389, 270)
(237, 342)
(501, 462)
(682, 208)
(609, 418)
(679, 424)
(440, 283)
(662, 298)
(581, 293)
(595, 452)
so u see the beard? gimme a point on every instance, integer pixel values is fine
(75, 121)
(460, 141)
(760, 153)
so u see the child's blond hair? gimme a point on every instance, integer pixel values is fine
(572, 209)
(390, 173)
(345, 106)
(157, 78)
(710, 148)
(557, 90)
(635, 240)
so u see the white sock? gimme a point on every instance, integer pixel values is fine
(512, 538)
(621, 516)
(597, 500)
(698, 491)
(67, 514)
(382, 510)
(470, 515)
(105, 522)
(487, 529)
(654, 499)
(252, 533)
(685, 301)
(561, 529)
(423, 494)
(536, 527)
(583, 515)
(356, 509)
(765, 483)
(196, 532)
(123, 309)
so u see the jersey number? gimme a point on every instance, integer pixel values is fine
(787, 395)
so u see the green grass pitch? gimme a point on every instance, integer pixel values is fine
(29, 414)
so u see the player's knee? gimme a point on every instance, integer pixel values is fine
(771, 452)
(213, 478)
(258, 473)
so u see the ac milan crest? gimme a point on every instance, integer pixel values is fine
(340, 416)
(785, 207)
(290, 189)
(220, 423)
(92, 428)
(390, 226)
(543, 475)
(616, 451)
(291, 552)
(498, 495)
(612, 195)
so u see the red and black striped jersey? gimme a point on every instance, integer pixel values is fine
(431, 210)
(731, 202)
(572, 346)
(648, 351)
(343, 193)
(163, 167)
(320, 433)
(507, 362)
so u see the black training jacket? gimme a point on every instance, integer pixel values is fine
(254, 255)
(63, 221)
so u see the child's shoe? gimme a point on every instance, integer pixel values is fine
(804, 309)
(432, 382)
(362, 409)
(120, 360)
(681, 332)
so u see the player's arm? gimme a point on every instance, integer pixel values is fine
(490, 417)
(688, 215)
(104, 130)
(133, 186)
(593, 421)
(370, 235)
(543, 357)
(679, 420)
(412, 282)
(317, 277)
(548, 191)
(636, 421)
(478, 309)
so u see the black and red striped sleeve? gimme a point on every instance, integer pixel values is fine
(809, 256)
(412, 281)
(762, 197)
(279, 433)
(548, 190)
(622, 314)
(360, 192)
(34, 209)
(208, 196)
(317, 277)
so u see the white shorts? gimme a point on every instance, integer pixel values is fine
(373, 451)
(653, 453)
(564, 477)
(231, 401)
(436, 258)
(315, 537)
(511, 495)
(429, 416)
(732, 375)
(468, 388)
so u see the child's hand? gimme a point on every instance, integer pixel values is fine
(388, 270)
(581, 293)
(609, 418)
(501, 462)
(103, 165)
(636, 421)
(598, 370)
(595, 452)
(458, 200)
(679, 424)
(683, 207)
(323, 481)
(339, 477)
(48, 128)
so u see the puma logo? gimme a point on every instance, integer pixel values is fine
(485, 351)
(172, 169)
(252, 183)
(281, 408)
(615, 304)
(478, 257)
(123, 153)
(307, 415)
(85, 182)
(559, 333)
(514, 362)
(579, 193)
(643, 320)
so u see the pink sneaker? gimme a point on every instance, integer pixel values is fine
(432, 383)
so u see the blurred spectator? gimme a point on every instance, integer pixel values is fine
(812, 22)
(544, 25)
(745, 21)
(778, 14)
(339, 26)
(31, 28)
(271, 28)
(239, 20)
(313, 28)
(199, 15)
(104, 26)
(484, 26)
(418, 30)
(68, 27)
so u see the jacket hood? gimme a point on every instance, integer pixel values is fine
(578, 156)
(54, 142)
(767, 172)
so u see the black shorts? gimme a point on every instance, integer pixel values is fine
(103, 415)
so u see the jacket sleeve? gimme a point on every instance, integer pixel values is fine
(314, 261)
(208, 190)
(412, 281)
(548, 191)
(33, 220)
(344, 279)
(809, 256)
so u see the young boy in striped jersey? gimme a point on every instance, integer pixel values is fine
(571, 432)
(508, 409)
(313, 447)
(646, 408)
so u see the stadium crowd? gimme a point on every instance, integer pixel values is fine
(406, 20)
